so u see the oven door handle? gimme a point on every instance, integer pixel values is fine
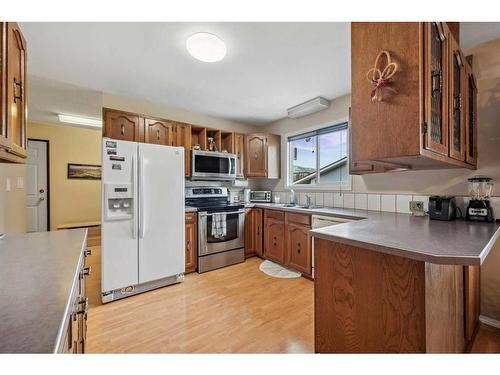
(222, 212)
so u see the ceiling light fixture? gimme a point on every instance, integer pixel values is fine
(79, 120)
(206, 47)
(311, 106)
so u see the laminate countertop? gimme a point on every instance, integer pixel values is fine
(441, 242)
(37, 275)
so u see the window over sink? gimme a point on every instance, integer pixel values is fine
(318, 158)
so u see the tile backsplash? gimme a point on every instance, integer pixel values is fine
(373, 202)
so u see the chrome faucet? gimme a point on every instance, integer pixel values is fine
(308, 201)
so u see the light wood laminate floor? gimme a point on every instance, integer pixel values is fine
(236, 309)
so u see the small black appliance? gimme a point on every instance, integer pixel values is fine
(442, 207)
(479, 208)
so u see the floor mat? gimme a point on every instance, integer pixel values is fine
(275, 270)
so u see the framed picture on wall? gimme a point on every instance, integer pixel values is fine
(84, 171)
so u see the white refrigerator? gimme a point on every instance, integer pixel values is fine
(142, 217)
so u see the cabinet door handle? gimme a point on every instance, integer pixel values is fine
(85, 272)
(436, 82)
(19, 84)
(122, 129)
(88, 252)
(274, 241)
(258, 231)
(158, 134)
(188, 246)
(298, 247)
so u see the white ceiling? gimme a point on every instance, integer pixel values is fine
(268, 67)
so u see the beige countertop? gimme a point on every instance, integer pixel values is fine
(442, 242)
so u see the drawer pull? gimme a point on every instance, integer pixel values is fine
(88, 252)
(122, 129)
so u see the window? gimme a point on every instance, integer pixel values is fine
(318, 158)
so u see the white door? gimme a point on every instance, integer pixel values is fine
(161, 211)
(36, 186)
(119, 267)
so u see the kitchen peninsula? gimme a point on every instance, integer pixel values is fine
(397, 283)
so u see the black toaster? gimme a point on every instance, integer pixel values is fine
(442, 207)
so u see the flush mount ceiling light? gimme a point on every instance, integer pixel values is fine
(206, 47)
(311, 106)
(79, 120)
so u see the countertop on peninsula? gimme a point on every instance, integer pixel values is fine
(37, 273)
(442, 242)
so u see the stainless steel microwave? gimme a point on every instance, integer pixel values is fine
(210, 165)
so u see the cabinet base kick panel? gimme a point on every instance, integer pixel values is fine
(131, 290)
(219, 260)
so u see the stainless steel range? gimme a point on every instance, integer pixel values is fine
(221, 227)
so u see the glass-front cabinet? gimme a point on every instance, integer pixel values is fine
(457, 101)
(436, 39)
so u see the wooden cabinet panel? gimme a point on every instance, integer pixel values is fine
(253, 232)
(4, 141)
(472, 293)
(457, 79)
(191, 247)
(470, 118)
(159, 132)
(183, 139)
(256, 155)
(123, 125)
(299, 248)
(239, 150)
(13, 95)
(274, 240)
(436, 40)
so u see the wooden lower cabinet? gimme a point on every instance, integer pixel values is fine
(190, 238)
(75, 338)
(274, 238)
(298, 248)
(253, 232)
(287, 240)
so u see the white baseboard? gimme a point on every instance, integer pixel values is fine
(489, 321)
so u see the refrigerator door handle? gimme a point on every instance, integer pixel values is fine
(142, 223)
(134, 203)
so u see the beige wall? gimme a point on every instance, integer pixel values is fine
(71, 201)
(13, 202)
(172, 113)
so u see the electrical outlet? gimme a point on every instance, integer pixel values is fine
(417, 208)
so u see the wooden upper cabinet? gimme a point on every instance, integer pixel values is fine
(262, 155)
(123, 125)
(13, 94)
(457, 80)
(183, 139)
(239, 151)
(470, 106)
(160, 132)
(256, 155)
(436, 41)
(419, 123)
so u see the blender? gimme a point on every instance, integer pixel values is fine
(479, 208)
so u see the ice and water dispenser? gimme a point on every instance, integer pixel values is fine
(118, 201)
